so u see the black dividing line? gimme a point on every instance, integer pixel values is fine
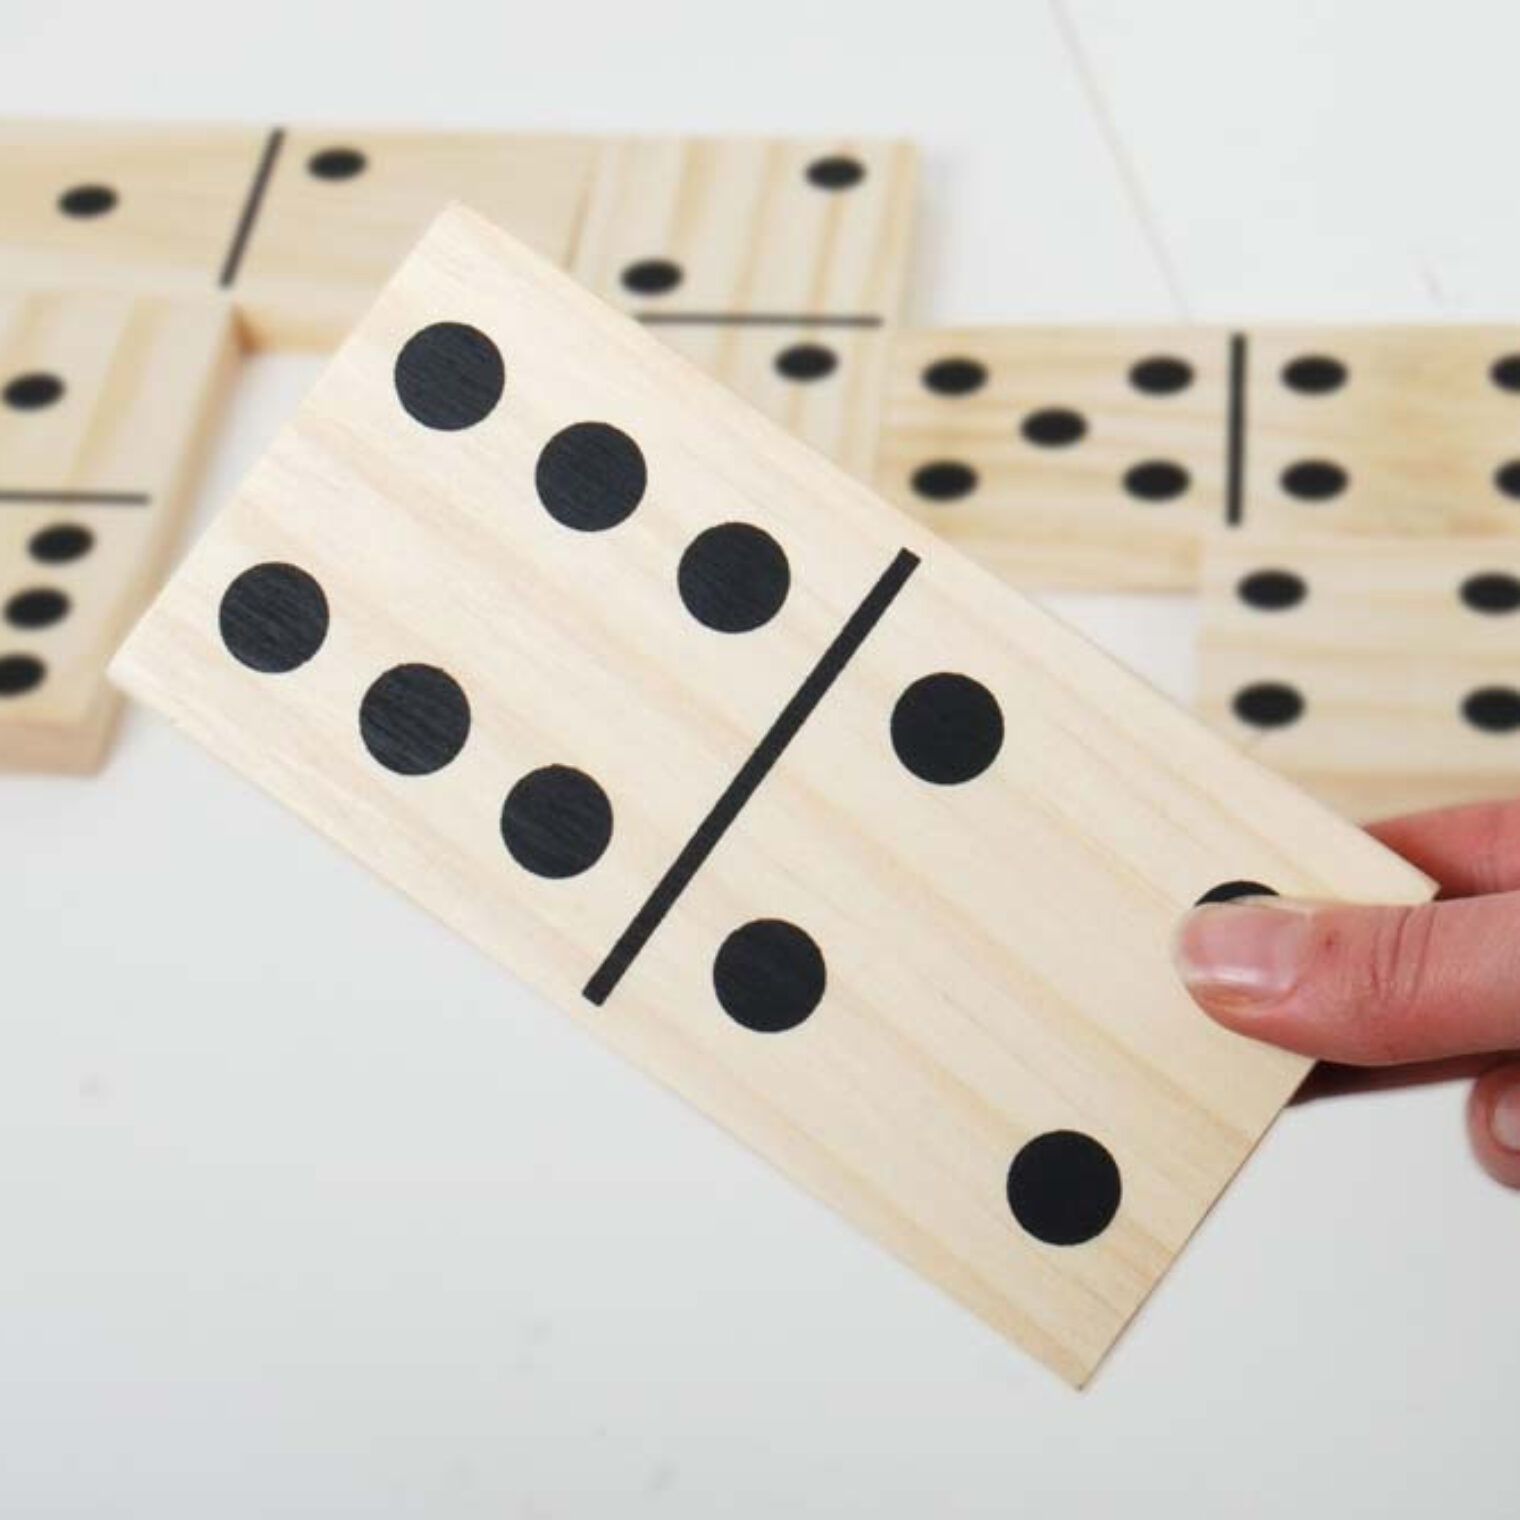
(753, 319)
(75, 498)
(251, 206)
(754, 770)
(1235, 468)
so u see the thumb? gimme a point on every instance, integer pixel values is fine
(1369, 986)
(1493, 1121)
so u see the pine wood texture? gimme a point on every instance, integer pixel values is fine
(344, 205)
(996, 950)
(1100, 457)
(1381, 674)
(1384, 431)
(122, 206)
(105, 402)
(749, 227)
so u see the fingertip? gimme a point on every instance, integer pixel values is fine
(1493, 1123)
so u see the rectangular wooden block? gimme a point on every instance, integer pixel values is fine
(773, 264)
(123, 206)
(343, 206)
(105, 400)
(1100, 457)
(1382, 674)
(777, 793)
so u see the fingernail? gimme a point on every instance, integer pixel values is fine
(1244, 955)
(1504, 1118)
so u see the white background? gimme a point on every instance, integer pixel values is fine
(307, 1210)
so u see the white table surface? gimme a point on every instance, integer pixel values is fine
(308, 1210)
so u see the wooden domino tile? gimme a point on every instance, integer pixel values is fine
(343, 206)
(1063, 457)
(775, 265)
(1382, 674)
(774, 791)
(303, 225)
(154, 208)
(104, 402)
(1098, 457)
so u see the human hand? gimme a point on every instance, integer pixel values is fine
(1388, 986)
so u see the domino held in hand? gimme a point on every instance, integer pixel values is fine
(776, 793)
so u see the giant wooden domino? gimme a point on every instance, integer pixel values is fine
(1104, 457)
(1382, 674)
(104, 403)
(301, 226)
(774, 791)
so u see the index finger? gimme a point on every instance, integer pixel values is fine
(1472, 849)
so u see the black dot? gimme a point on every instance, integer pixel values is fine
(87, 200)
(1054, 428)
(273, 618)
(734, 577)
(556, 822)
(769, 975)
(38, 608)
(955, 377)
(336, 163)
(1064, 1188)
(806, 361)
(1156, 480)
(1268, 704)
(947, 728)
(1271, 590)
(590, 476)
(1314, 480)
(1507, 478)
(1230, 891)
(1314, 374)
(1505, 372)
(19, 674)
(1161, 375)
(60, 544)
(450, 376)
(944, 480)
(836, 172)
(29, 393)
(1492, 591)
(1495, 709)
(414, 719)
(652, 277)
